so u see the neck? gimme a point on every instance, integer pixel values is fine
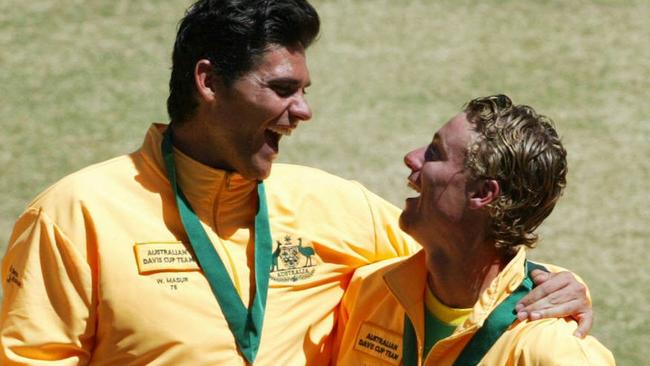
(459, 273)
(190, 138)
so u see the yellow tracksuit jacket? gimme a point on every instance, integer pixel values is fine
(370, 326)
(98, 269)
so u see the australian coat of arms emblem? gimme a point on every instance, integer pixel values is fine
(293, 260)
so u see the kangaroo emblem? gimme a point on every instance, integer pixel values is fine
(274, 259)
(293, 260)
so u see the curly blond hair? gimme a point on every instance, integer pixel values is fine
(521, 150)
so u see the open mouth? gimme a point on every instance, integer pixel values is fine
(413, 186)
(273, 135)
(272, 139)
(282, 131)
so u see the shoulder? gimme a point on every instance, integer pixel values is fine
(299, 179)
(295, 175)
(96, 199)
(295, 184)
(551, 342)
(99, 190)
(88, 182)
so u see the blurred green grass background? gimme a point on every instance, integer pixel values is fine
(80, 81)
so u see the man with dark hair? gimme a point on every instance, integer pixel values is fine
(233, 36)
(487, 180)
(188, 251)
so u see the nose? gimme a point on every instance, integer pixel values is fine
(300, 109)
(415, 158)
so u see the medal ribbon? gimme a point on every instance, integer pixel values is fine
(244, 323)
(493, 327)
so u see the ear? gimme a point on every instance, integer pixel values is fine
(487, 190)
(204, 80)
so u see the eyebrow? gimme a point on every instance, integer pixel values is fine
(288, 80)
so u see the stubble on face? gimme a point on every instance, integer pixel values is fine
(249, 118)
(440, 180)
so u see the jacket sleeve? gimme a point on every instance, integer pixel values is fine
(551, 342)
(390, 240)
(47, 315)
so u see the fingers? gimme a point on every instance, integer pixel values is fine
(558, 288)
(539, 276)
(585, 321)
(557, 295)
(555, 289)
(560, 310)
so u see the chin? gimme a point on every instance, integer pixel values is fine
(264, 175)
(260, 171)
(409, 223)
(404, 222)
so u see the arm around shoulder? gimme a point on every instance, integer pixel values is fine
(557, 294)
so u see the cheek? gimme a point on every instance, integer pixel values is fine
(267, 103)
(442, 190)
(432, 182)
(256, 111)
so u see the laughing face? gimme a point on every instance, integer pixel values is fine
(259, 109)
(438, 174)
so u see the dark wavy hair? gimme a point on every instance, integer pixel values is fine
(233, 35)
(522, 151)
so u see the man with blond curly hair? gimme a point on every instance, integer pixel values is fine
(487, 180)
(520, 149)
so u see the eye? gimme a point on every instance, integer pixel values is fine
(283, 91)
(431, 153)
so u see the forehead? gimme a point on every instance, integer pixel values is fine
(280, 61)
(456, 134)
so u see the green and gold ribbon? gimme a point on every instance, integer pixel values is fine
(244, 323)
(493, 327)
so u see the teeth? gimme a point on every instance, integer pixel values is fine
(413, 186)
(280, 130)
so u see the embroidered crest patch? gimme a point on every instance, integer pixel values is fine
(161, 256)
(379, 342)
(293, 260)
